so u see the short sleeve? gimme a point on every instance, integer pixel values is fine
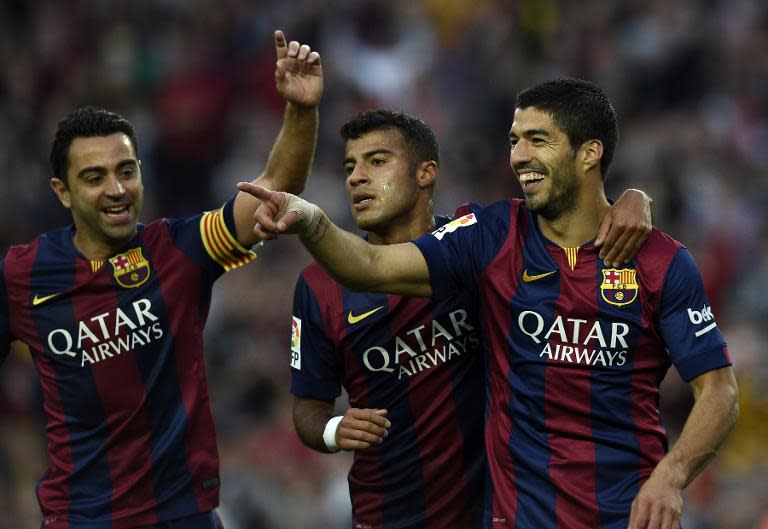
(687, 322)
(209, 238)
(315, 372)
(458, 252)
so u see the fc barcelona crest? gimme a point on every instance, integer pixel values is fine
(619, 287)
(130, 269)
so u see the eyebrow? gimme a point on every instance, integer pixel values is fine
(102, 169)
(368, 154)
(531, 132)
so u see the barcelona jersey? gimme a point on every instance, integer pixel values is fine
(418, 359)
(119, 351)
(575, 353)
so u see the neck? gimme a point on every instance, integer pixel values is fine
(579, 225)
(93, 249)
(407, 228)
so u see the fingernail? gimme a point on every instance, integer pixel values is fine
(387, 424)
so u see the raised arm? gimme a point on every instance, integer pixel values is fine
(625, 227)
(358, 429)
(358, 265)
(299, 79)
(659, 502)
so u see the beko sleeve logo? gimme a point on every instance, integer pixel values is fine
(699, 317)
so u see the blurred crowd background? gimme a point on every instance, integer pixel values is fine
(689, 79)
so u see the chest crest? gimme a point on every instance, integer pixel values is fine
(130, 269)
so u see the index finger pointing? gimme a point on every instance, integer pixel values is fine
(253, 189)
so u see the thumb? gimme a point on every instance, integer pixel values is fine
(289, 219)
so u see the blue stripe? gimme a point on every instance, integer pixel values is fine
(167, 419)
(617, 451)
(90, 487)
(528, 442)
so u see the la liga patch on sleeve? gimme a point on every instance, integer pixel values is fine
(296, 343)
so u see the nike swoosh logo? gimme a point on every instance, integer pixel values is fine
(37, 300)
(352, 319)
(528, 278)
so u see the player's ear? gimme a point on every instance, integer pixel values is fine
(426, 174)
(589, 155)
(62, 191)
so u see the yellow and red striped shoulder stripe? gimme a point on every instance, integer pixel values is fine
(220, 244)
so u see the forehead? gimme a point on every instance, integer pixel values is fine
(389, 139)
(100, 151)
(530, 119)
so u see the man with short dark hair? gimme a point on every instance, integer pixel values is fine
(412, 367)
(576, 346)
(113, 313)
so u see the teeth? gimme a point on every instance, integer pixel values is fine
(121, 209)
(531, 177)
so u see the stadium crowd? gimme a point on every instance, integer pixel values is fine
(688, 80)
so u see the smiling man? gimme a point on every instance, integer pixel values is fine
(113, 311)
(576, 346)
(412, 367)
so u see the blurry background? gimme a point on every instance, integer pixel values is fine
(689, 80)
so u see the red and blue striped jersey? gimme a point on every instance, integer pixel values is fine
(119, 351)
(421, 361)
(575, 355)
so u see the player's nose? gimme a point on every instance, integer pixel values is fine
(358, 175)
(114, 187)
(519, 153)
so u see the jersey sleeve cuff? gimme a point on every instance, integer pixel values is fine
(697, 365)
(217, 233)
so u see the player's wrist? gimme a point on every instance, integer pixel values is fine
(329, 433)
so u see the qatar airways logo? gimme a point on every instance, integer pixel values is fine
(424, 347)
(577, 341)
(108, 334)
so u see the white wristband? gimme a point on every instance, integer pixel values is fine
(329, 434)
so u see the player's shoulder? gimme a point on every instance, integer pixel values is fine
(660, 244)
(319, 282)
(23, 254)
(315, 271)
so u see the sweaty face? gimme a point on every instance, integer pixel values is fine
(103, 190)
(544, 162)
(381, 182)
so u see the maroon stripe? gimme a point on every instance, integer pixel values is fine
(176, 269)
(430, 396)
(131, 486)
(650, 358)
(499, 284)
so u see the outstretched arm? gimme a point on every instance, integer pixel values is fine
(659, 503)
(625, 227)
(358, 265)
(299, 79)
(358, 429)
